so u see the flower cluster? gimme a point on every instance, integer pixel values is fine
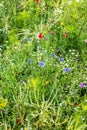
(3, 103)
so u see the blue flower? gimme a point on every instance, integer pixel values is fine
(60, 59)
(42, 64)
(67, 70)
(52, 55)
(29, 60)
(28, 39)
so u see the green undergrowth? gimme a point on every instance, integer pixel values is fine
(43, 65)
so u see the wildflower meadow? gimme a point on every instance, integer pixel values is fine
(43, 64)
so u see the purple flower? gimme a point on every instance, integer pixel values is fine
(52, 55)
(52, 33)
(42, 64)
(0, 111)
(82, 85)
(46, 38)
(60, 59)
(29, 60)
(67, 70)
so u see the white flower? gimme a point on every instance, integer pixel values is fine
(1, 5)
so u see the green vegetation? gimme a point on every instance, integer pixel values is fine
(43, 65)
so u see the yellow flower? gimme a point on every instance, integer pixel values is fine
(62, 23)
(46, 82)
(25, 128)
(3, 103)
(34, 81)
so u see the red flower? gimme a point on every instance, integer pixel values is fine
(76, 104)
(40, 36)
(65, 35)
(37, 1)
(18, 121)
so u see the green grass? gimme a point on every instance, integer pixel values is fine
(43, 65)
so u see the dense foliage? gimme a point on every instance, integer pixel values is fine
(43, 65)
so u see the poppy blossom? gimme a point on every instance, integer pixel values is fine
(65, 35)
(76, 104)
(37, 1)
(18, 121)
(40, 36)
